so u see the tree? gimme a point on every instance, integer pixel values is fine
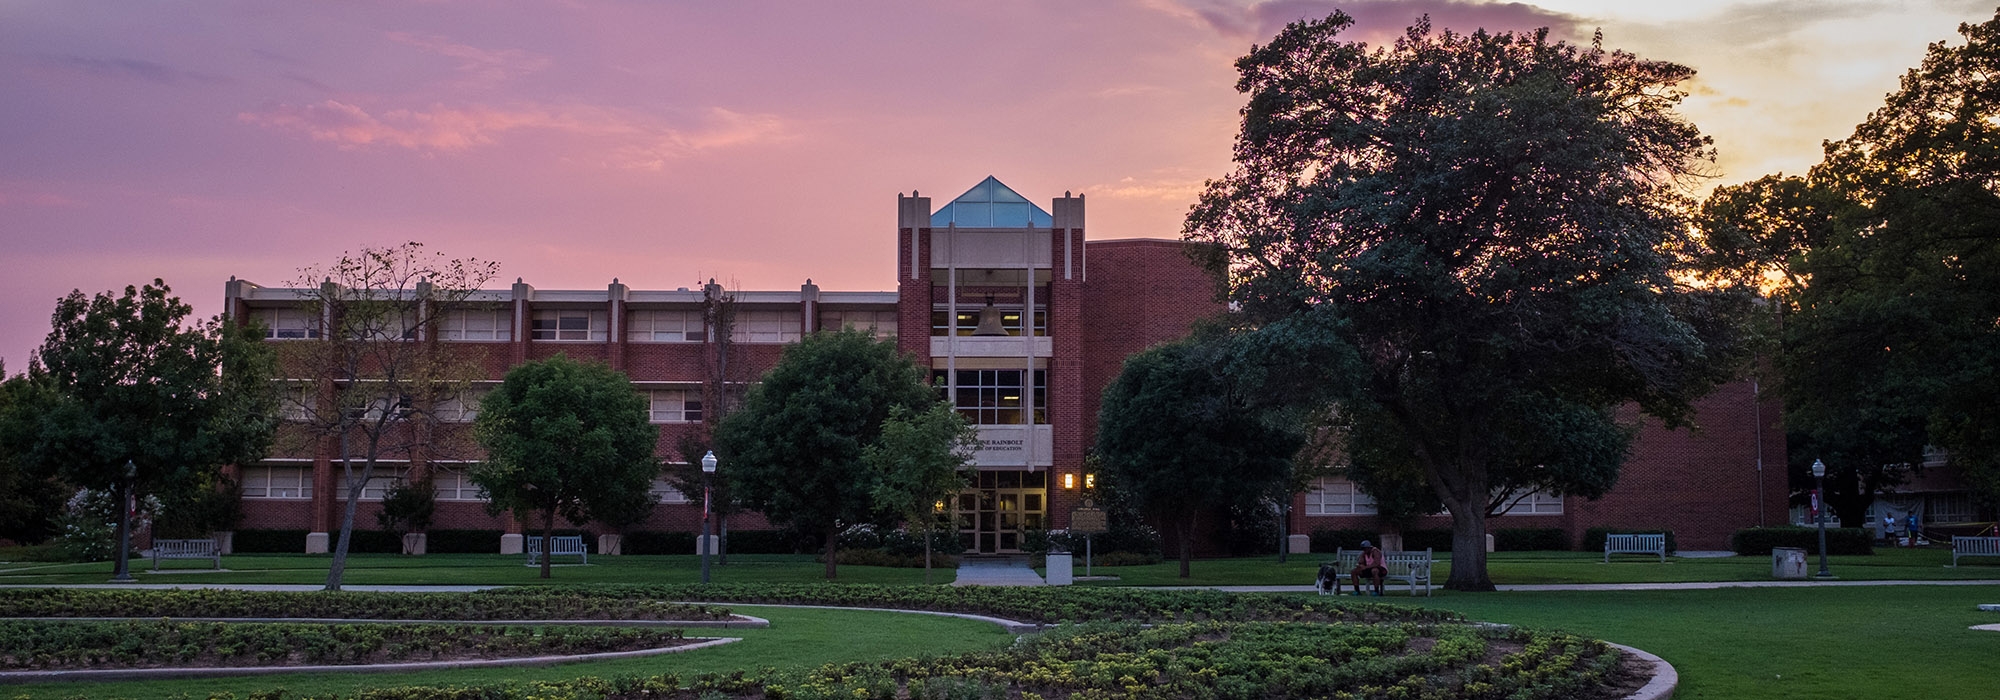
(565, 438)
(139, 399)
(376, 365)
(794, 451)
(918, 463)
(1494, 227)
(722, 390)
(31, 495)
(1177, 435)
(1889, 248)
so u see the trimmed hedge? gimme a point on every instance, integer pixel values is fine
(649, 542)
(1326, 541)
(1438, 540)
(1593, 538)
(372, 542)
(1753, 541)
(1530, 539)
(761, 542)
(269, 542)
(462, 541)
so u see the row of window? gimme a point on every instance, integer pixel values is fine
(665, 406)
(1330, 497)
(290, 483)
(579, 325)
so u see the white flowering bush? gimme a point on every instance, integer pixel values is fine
(89, 524)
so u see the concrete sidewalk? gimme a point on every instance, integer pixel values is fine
(1681, 586)
(1002, 571)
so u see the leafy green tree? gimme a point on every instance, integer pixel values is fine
(140, 399)
(794, 451)
(1180, 437)
(566, 438)
(375, 367)
(1888, 246)
(31, 495)
(918, 463)
(1493, 226)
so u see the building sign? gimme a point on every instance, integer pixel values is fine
(1010, 446)
(1087, 520)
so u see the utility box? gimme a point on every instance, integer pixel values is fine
(1062, 571)
(1299, 544)
(1788, 563)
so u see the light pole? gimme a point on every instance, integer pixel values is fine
(707, 468)
(1819, 479)
(122, 573)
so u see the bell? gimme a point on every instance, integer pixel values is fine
(989, 321)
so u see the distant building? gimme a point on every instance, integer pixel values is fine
(1022, 321)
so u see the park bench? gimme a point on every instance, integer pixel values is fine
(1635, 544)
(1412, 568)
(1974, 547)
(559, 546)
(186, 549)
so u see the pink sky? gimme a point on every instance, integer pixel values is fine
(757, 142)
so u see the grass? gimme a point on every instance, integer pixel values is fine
(1866, 642)
(797, 638)
(466, 569)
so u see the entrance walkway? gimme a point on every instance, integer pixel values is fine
(996, 571)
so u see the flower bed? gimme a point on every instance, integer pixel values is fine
(529, 604)
(67, 644)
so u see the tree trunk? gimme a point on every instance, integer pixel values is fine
(832, 541)
(927, 557)
(338, 569)
(722, 540)
(1468, 549)
(1285, 529)
(121, 570)
(548, 534)
(1186, 536)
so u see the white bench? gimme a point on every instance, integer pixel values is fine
(1413, 568)
(186, 549)
(1974, 547)
(559, 546)
(1635, 544)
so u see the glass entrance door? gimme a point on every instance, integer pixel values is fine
(1001, 507)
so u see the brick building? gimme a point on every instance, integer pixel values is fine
(1023, 322)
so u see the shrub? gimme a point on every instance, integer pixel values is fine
(373, 542)
(1593, 538)
(407, 508)
(461, 541)
(1531, 539)
(877, 557)
(1755, 541)
(1432, 539)
(648, 542)
(762, 542)
(270, 542)
(1330, 541)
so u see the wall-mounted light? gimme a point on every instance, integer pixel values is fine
(1069, 482)
(1090, 481)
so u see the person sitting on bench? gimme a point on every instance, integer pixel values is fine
(1370, 565)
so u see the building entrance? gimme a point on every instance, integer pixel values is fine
(999, 509)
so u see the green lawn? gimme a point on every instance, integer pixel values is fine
(467, 569)
(797, 638)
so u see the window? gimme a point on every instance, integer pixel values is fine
(381, 322)
(462, 407)
(477, 324)
(1338, 497)
(295, 402)
(666, 493)
(667, 327)
(1537, 503)
(277, 482)
(573, 325)
(1948, 508)
(993, 396)
(968, 320)
(781, 326)
(880, 323)
(454, 485)
(285, 324)
(676, 405)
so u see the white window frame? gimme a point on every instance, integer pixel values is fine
(1541, 502)
(570, 326)
(664, 492)
(666, 326)
(1330, 497)
(462, 407)
(767, 326)
(458, 325)
(286, 323)
(454, 484)
(671, 405)
(881, 324)
(259, 481)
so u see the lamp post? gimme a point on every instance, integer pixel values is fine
(707, 468)
(1819, 485)
(122, 573)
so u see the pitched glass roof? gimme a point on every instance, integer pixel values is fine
(990, 204)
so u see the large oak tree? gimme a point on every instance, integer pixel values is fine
(1492, 224)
